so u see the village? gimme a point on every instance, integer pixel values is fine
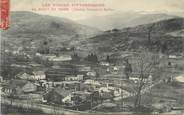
(60, 77)
(63, 80)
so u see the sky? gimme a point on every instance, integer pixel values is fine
(112, 6)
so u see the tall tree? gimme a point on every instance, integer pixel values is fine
(108, 58)
(145, 64)
(128, 69)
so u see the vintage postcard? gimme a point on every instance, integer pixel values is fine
(92, 57)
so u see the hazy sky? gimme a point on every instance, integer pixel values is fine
(168, 6)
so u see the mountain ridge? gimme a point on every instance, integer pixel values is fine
(125, 19)
(37, 27)
(137, 38)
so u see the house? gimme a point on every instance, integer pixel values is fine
(78, 100)
(55, 66)
(57, 95)
(104, 63)
(172, 57)
(111, 91)
(68, 99)
(59, 74)
(48, 56)
(7, 51)
(65, 83)
(71, 85)
(18, 87)
(115, 68)
(108, 70)
(91, 73)
(46, 84)
(179, 79)
(34, 65)
(38, 54)
(39, 75)
(135, 78)
(19, 66)
(77, 97)
(150, 79)
(92, 82)
(106, 94)
(53, 97)
(82, 94)
(35, 75)
(91, 85)
(61, 58)
(175, 56)
(83, 68)
(74, 78)
(15, 52)
(1, 79)
(34, 97)
(24, 76)
(104, 89)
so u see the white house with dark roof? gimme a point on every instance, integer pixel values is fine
(74, 78)
(39, 75)
(24, 76)
(35, 75)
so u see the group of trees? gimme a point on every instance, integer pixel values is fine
(128, 69)
(45, 48)
(45, 62)
(108, 59)
(92, 58)
(145, 64)
(75, 57)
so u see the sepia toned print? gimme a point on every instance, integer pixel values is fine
(92, 57)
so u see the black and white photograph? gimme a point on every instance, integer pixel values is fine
(92, 57)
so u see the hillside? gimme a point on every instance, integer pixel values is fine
(179, 33)
(30, 26)
(165, 36)
(123, 19)
(136, 38)
(163, 27)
